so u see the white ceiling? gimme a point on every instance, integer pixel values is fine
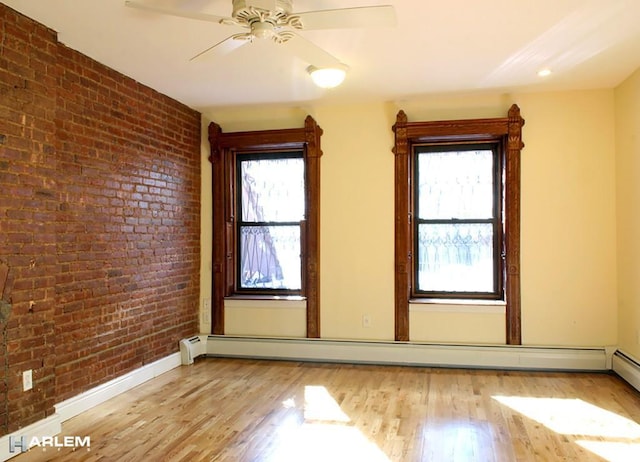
(437, 47)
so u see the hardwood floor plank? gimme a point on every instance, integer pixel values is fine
(240, 410)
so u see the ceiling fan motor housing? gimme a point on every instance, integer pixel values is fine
(265, 19)
(241, 7)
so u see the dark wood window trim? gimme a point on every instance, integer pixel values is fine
(407, 134)
(223, 149)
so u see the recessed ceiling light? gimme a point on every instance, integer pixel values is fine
(544, 72)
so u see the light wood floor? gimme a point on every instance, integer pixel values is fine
(245, 410)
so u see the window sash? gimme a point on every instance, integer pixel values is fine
(266, 260)
(438, 266)
(269, 256)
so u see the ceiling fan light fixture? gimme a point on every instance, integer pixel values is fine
(327, 77)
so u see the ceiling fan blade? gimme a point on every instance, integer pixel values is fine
(225, 47)
(346, 18)
(180, 13)
(309, 52)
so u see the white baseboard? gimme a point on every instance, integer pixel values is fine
(69, 408)
(50, 426)
(627, 367)
(365, 352)
(416, 354)
(84, 401)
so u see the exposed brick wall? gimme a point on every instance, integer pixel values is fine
(28, 212)
(99, 221)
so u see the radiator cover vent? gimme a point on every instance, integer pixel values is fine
(190, 348)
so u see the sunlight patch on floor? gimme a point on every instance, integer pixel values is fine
(573, 417)
(320, 405)
(324, 434)
(615, 437)
(326, 442)
(459, 439)
(613, 451)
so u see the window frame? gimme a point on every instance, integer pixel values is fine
(407, 134)
(496, 147)
(224, 149)
(238, 290)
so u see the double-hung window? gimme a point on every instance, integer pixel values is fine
(457, 215)
(270, 201)
(457, 226)
(266, 218)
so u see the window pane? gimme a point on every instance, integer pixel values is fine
(272, 189)
(270, 257)
(455, 184)
(455, 257)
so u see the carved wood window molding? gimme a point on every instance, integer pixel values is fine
(226, 151)
(508, 132)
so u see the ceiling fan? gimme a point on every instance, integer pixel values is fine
(275, 20)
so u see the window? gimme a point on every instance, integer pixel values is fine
(457, 214)
(266, 217)
(270, 210)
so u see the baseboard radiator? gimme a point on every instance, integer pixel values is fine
(400, 353)
(627, 367)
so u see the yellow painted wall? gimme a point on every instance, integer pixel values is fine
(627, 99)
(479, 324)
(356, 222)
(568, 220)
(259, 318)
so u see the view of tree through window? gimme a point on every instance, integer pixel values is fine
(457, 219)
(271, 210)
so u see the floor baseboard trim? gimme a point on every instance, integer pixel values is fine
(415, 354)
(71, 407)
(84, 401)
(50, 426)
(365, 352)
(627, 367)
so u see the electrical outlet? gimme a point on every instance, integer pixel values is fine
(27, 380)
(366, 320)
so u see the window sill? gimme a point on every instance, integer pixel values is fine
(436, 305)
(457, 301)
(296, 298)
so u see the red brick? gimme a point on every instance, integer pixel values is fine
(87, 155)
